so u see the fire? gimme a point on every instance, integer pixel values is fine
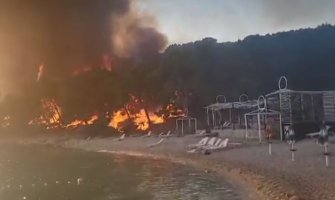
(51, 114)
(5, 122)
(40, 72)
(142, 122)
(117, 118)
(173, 111)
(140, 119)
(78, 122)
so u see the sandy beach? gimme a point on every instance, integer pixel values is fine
(249, 166)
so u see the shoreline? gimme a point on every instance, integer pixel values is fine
(249, 177)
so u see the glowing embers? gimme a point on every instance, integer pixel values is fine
(172, 111)
(50, 115)
(77, 122)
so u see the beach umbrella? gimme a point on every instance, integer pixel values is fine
(291, 139)
(323, 139)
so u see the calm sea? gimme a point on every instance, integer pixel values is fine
(46, 173)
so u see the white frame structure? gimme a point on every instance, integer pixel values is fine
(261, 111)
(182, 120)
(287, 103)
(217, 107)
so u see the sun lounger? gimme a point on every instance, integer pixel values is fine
(312, 135)
(148, 134)
(157, 143)
(165, 135)
(202, 142)
(218, 141)
(122, 137)
(212, 141)
(223, 144)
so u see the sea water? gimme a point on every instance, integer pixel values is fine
(48, 173)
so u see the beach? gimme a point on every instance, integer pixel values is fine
(249, 166)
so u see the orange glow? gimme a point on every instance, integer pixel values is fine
(117, 118)
(51, 114)
(140, 119)
(40, 72)
(173, 111)
(5, 122)
(78, 122)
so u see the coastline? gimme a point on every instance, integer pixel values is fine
(243, 166)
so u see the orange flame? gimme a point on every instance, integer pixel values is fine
(78, 122)
(5, 122)
(117, 118)
(140, 119)
(40, 72)
(51, 114)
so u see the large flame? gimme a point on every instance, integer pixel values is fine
(140, 119)
(117, 118)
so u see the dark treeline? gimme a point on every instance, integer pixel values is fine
(191, 75)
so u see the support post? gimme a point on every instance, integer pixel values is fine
(182, 127)
(280, 128)
(259, 127)
(246, 126)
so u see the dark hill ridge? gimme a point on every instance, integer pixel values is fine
(254, 64)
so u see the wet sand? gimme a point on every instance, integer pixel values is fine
(248, 166)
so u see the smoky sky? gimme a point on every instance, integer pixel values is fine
(230, 20)
(67, 34)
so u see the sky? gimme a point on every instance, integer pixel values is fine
(229, 20)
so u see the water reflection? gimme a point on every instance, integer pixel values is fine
(57, 174)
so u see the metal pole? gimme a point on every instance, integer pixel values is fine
(182, 127)
(270, 148)
(195, 125)
(246, 126)
(280, 128)
(259, 127)
(208, 117)
(177, 127)
(292, 150)
(213, 119)
(326, 155)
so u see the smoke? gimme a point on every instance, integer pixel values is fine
(288, 14)
(135, 35)
(67, 34)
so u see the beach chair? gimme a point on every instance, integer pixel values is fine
(148, 134)
(211, 142)
(218, 141)
(161, 134)
(222, 145)
(202, 142)
(165, 135)
(156, 143)
(123, 136)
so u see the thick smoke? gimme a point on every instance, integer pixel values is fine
(67, 34)
(135, 35)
